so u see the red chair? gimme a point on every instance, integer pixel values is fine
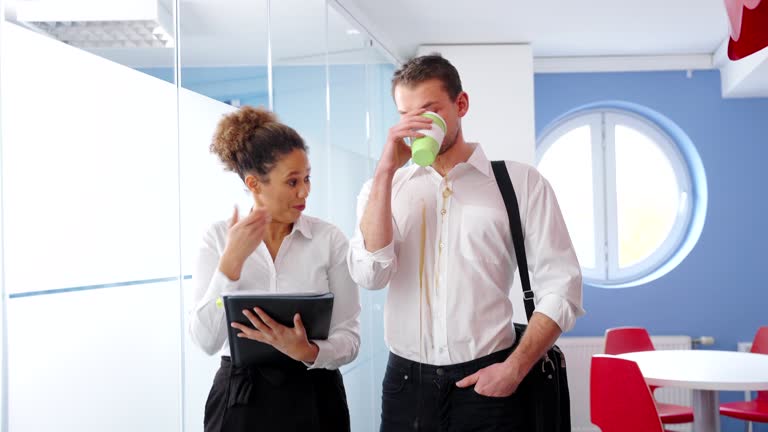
(622, 340)
(755, 410)
(619, 398)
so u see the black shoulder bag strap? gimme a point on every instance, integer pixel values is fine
(515, 225)
(547, 396)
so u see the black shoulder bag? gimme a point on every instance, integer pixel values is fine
(544, 390)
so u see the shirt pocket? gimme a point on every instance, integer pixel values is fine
(484, 234)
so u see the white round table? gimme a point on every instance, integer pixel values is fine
(705, 372)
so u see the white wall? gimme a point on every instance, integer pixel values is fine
(499, 81)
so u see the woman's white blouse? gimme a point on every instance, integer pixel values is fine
(311, 259)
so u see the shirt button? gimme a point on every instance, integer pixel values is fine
(441, 245)
(443, 212)
(447, 192)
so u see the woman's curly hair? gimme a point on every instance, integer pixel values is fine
(252, 140)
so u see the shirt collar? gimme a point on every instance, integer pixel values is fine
(303, 226)
(477, 160)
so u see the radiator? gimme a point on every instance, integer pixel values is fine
(578, 353)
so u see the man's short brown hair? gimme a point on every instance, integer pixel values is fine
(428, 67)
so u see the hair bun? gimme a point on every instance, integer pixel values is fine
(257, 117)
(251, 140)
(235, 131)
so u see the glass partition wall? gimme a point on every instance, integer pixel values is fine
(3, 304)
(90, 212)
(107, 186)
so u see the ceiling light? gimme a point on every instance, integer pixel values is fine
(100, 23)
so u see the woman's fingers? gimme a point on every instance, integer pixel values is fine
(247, 332)
(272, 324)
(257, 322)
(258, 217)
(234, 218)
(298, 325)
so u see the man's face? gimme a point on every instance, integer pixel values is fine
(432, 96)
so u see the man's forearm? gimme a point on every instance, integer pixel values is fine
(541, 334)
(376, 224)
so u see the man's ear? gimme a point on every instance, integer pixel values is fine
(462, 102)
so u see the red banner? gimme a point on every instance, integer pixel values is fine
(749, 27)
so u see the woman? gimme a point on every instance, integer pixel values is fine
(277, 249)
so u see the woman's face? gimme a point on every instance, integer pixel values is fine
(285, 193)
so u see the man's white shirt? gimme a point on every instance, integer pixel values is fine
(451, 263)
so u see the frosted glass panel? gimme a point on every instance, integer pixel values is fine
(198, 373)
(360, 384)
(216, 78)
(208, 192)
(382, 115)
(97, 360)
(383, 112)
(223, 66)
(299, 85)
(224, 51)
(90, 173)
(90, 169)
(3, 362)
(298, 20)
(300, 102)
(349, 108)
(361, 112)
(109, 186)
(350, 171)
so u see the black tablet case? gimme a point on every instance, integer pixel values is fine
(315, 311)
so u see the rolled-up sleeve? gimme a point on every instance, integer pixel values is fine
(371, 270)
(343, 343)
(552, 262)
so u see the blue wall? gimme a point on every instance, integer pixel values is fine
(720, 289)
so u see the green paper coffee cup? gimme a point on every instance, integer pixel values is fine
(424, 150)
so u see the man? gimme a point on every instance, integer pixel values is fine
(439, 236)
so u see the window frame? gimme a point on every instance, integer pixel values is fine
(602, 122)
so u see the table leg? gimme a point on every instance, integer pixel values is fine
(706, 411)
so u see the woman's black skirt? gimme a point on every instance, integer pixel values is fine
(289, 398)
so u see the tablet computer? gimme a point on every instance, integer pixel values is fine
(315, 311)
